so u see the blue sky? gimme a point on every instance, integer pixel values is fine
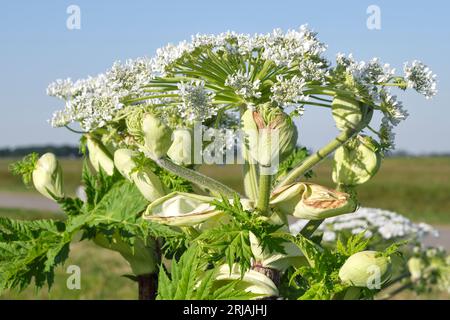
(37, 48)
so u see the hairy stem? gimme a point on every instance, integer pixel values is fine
(148, 285)
(214, 186)
(318, 156)
(265, 181)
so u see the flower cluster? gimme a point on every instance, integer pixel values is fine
(243, 85)
(94, 101)
(375, 222)
(420, 78)
(196, 101)
(288, 91)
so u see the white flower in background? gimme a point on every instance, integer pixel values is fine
(197, 100)
(420, 78)
(243, 85)
(377, 222)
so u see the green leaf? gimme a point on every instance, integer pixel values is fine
(25, 167)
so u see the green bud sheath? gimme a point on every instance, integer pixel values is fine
(145, 180)
(348, 113)
(157, 136)
(356, 162)
(362, 268)
(47, 176)
(99, 156)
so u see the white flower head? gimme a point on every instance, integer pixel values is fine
(419, 77)
(196, 105)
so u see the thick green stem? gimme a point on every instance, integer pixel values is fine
(318, 156)
(265, 181)
(310, 227)
(251, 180)
(199, 179)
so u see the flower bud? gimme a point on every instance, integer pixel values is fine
(181, 209)
(362, 269)
(47, 176)
(348, 113)
(145, 180)
(141, 257)
(252, 281)
(356, 162)
(270, 134)
(99, 156)
(157, 136)
(182, 148)
(311, 201)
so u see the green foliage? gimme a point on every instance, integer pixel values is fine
(190, 279)
(320, 279)
(25, 167)
(31, 250)
(231, 240)
(294, 159)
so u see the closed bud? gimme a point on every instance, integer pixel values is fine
(156, 135)
(364, 268)
(99, 156)
(348, 113)
(145, 180)
(356, 162)
(270, 134)
(311, 201)
(182, 148)
(47, 176)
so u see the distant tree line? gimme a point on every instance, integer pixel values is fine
(66, 151)
(70, 151)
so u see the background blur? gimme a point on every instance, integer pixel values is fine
(37, 48)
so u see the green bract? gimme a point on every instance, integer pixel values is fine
(270, 134)
(311, 201)
(145, 180)
(157, 136)
(348, 112)
(356, 162)
(365, 269)
(47, 176)
(99, 156)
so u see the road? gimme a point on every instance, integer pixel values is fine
(38, 202)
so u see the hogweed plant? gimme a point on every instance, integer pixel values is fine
(147, 125)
